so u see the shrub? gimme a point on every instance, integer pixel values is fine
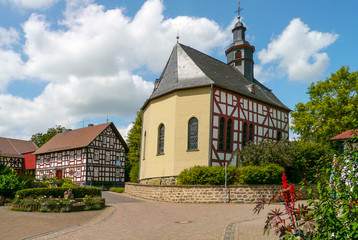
(203, 175)
(92, 203)
(266, 152)
(78, 192)
(271, 174)
(117, 190)
(10, 182)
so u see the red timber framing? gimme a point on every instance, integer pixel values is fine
(265, 122)
(103, 160)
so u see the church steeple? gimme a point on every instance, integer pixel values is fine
(240, 53)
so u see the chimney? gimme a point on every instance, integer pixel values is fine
(90, 125)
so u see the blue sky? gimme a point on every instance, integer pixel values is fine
(76, 62)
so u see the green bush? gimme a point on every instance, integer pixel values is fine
(78, 192)
(117, 190)
(203, 175)
(271, 174)
(10, 182)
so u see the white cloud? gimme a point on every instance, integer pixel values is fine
(297, 51)
(89, 64)
(31, 4)
(124, 130)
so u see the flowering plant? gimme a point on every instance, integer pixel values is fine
(295, 222)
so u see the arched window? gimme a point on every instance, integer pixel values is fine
(193, 134)
(221, 133)
(278, 135)
(228, 134)
(251, 132)
(161, 131)
(238, 55)
(144, 144)
(244, 134)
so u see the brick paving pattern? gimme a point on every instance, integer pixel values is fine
(132, 218)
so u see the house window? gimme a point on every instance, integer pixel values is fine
(42, 160)
(244, 135)
(59, 157)
(117, 173)
(161, 131)
(79, 154)
(193, 134)
(251, 132)
(72, 155)
(78, 174)
(95, 172)
(71, 173)
(108, 156)
(96, 155)
(228, 134)
(278, 136)
(118, 160)
(104, 140)
(221, 133)
(111, 141)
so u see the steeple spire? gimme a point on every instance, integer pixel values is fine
(240, 52)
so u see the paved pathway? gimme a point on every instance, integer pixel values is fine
(132, 218)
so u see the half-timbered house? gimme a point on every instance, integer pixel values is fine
(90, 155)
(17, 154)
(202, 109)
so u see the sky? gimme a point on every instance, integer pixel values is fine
(79, 62)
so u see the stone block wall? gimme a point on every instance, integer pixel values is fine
(203, 194)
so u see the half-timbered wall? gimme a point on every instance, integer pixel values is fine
(12, 162)
(102, 160)
(262, 120)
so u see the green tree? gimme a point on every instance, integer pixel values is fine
(41, 138)
(328, 111)
(133, 141)
(10, 182)
(266, 152)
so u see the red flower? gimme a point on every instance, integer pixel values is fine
(284, 181)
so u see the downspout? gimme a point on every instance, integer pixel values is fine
(210, 124)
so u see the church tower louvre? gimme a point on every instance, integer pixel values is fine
(240, 53)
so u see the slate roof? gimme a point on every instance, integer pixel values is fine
(15, 148)
(345, 135)
(78, 138)
(190, 68)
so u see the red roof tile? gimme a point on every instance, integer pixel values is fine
(76, 138)
(345, 135)
(15, 148)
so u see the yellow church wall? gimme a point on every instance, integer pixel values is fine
(174, 111)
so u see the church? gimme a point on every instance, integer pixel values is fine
(202, 109)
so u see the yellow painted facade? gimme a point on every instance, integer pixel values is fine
(174, 110)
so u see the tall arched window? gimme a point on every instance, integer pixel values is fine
(221, 133)
(251, 132)
(144, 144)
(193, 134)
(161, 131)
(244, 134)
(228, 134)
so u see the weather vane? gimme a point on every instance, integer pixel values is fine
(239, 10)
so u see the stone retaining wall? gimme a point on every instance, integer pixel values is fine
(203, 194)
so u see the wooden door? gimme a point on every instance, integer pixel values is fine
(59, 174)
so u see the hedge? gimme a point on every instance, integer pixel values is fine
(78, 192)
(204, 175)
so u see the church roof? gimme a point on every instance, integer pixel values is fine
(190, 68)
(77, 138)
(15, 148)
